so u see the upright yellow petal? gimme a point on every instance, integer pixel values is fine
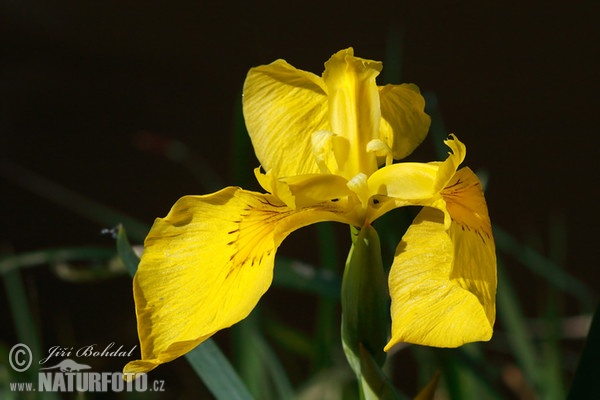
(205, 266)
(442, 284)
(404, 122)
(283, 107)
(354, 108)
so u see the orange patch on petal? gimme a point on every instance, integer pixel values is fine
(466, 204)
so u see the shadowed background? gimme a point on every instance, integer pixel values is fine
(92, 92)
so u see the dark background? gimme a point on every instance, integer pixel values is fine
(82, 81)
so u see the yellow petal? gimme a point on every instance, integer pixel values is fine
(400, 185)
(309, 190)
(354, 107)
(404, 122)
(330, 151)
(442, 284)
(303, 191)
(448, 167)
(466, 204)
(410, 183)
(205, 266)
(283, 106)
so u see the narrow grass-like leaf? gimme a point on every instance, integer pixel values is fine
(279, 383)
(585, 383)
(217, 374)
(554, 387)
(428, 392)
(543, 267)
(247, 357)
(509, 312)
(257, 362)
(126, 252)
(21, 313)
(551, 368)
(303, 277)
(27, 331)
(327, 324)
(426, 363)
(374, 383)
(292, 340)
(467, 373)
(51, 256)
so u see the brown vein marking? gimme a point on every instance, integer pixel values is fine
(253, 228)
(466, 204)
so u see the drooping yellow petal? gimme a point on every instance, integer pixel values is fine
(404, 122)
(205, 266)
(443, 281)
(442, 284)
(466, 204)
(283, 106)
(354, 108)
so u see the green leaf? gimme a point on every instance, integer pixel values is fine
(428, 392)
(543, 267)
(291, 274)
(511, 315)
(467, 373)
(216, 372)
(327, 334)
(126, 252)
(585, 382)
(374, 380)
(52, 256)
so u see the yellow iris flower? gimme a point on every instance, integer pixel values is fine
(326, 146)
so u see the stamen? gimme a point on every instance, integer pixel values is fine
(359, 185)
(381, 149)
(322, 148)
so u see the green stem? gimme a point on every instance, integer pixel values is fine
(365, 314)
